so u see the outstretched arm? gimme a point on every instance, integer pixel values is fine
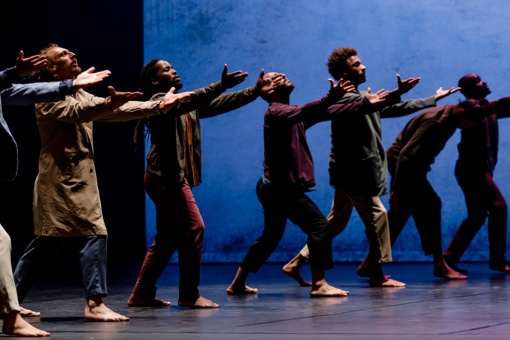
(89, 77)
(407, 84)
(229, 80)
(440, 93)
(25, 66)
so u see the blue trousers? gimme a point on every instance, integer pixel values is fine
(44, 249)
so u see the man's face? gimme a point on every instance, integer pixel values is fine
(474, 87)
(355, 71)
(283, 86)
(166, 75)
(62, 63)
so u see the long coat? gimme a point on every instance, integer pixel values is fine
(66, 195)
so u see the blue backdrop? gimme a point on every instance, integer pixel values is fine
(437, 40)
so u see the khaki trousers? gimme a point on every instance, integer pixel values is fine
(373, 214)
(8, 295)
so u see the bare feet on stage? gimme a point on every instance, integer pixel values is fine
(385, 281)
(501, 268)
(241, 290)
(28, 313)
(137, 301)
(442, 269)
(96, 310)
(293, 269)
(201, 302)
(322, 289)
(14, 324)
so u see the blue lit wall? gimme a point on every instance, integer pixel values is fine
(437, 40)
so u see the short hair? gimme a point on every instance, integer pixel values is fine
(44, 74)
(147, 73)
(337, 61)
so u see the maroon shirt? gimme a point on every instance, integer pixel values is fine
(478, 147)
(287, 158)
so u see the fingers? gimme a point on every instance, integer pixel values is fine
(225, 70)
(369, 90)
(331, 82)
(261, 75)
(21, 54)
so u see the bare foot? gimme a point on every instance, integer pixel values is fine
(503, 268)
(28, 313)
(444, 271)
(385, 281)
(451, 263)
(15, 325)
(293, 268)
(96, 310)
(201, 302)
(137, 301)
(244, 290)
(365, 271)
(323, 289)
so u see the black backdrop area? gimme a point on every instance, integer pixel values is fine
(106, 34)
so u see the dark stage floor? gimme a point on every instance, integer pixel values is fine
(428, 308)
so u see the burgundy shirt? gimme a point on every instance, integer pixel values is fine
(287, 158)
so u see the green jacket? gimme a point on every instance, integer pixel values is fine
(168, 153)
(357, 163)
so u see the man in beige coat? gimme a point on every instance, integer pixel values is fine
(66, 197)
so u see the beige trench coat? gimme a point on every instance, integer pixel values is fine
(66, 196)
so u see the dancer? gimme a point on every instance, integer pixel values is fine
(174, 167)
(478, 155)
(67, 207)
(289, 174)
(409, 160)
(357, 166)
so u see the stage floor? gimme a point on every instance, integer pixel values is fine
(428, 308)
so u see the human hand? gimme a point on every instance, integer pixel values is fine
(395, 200)
(171, 99)
(378, 97)
(89, 77)
(117, 99)
(342, 87)
(440, 93)
(405, 85)
(267, 85)
(25, 66)
(229, 80)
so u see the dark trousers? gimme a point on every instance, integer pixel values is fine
(419, 200)
(483, 199)
(44, 249)
(179, 225)
(282, 204)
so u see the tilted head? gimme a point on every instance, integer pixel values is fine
(345, 63)
(158, 76)
(62, 64)
(473, 87)
(281, 91)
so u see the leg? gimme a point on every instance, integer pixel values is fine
(426, 212)
(170, 215)
(190, 255)
(93, 266)
(274, 203)
(303, 212)
(498, 212)
(38, 255)
(338, 217)
(474, 188)
(13, 323)
(373, 214)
